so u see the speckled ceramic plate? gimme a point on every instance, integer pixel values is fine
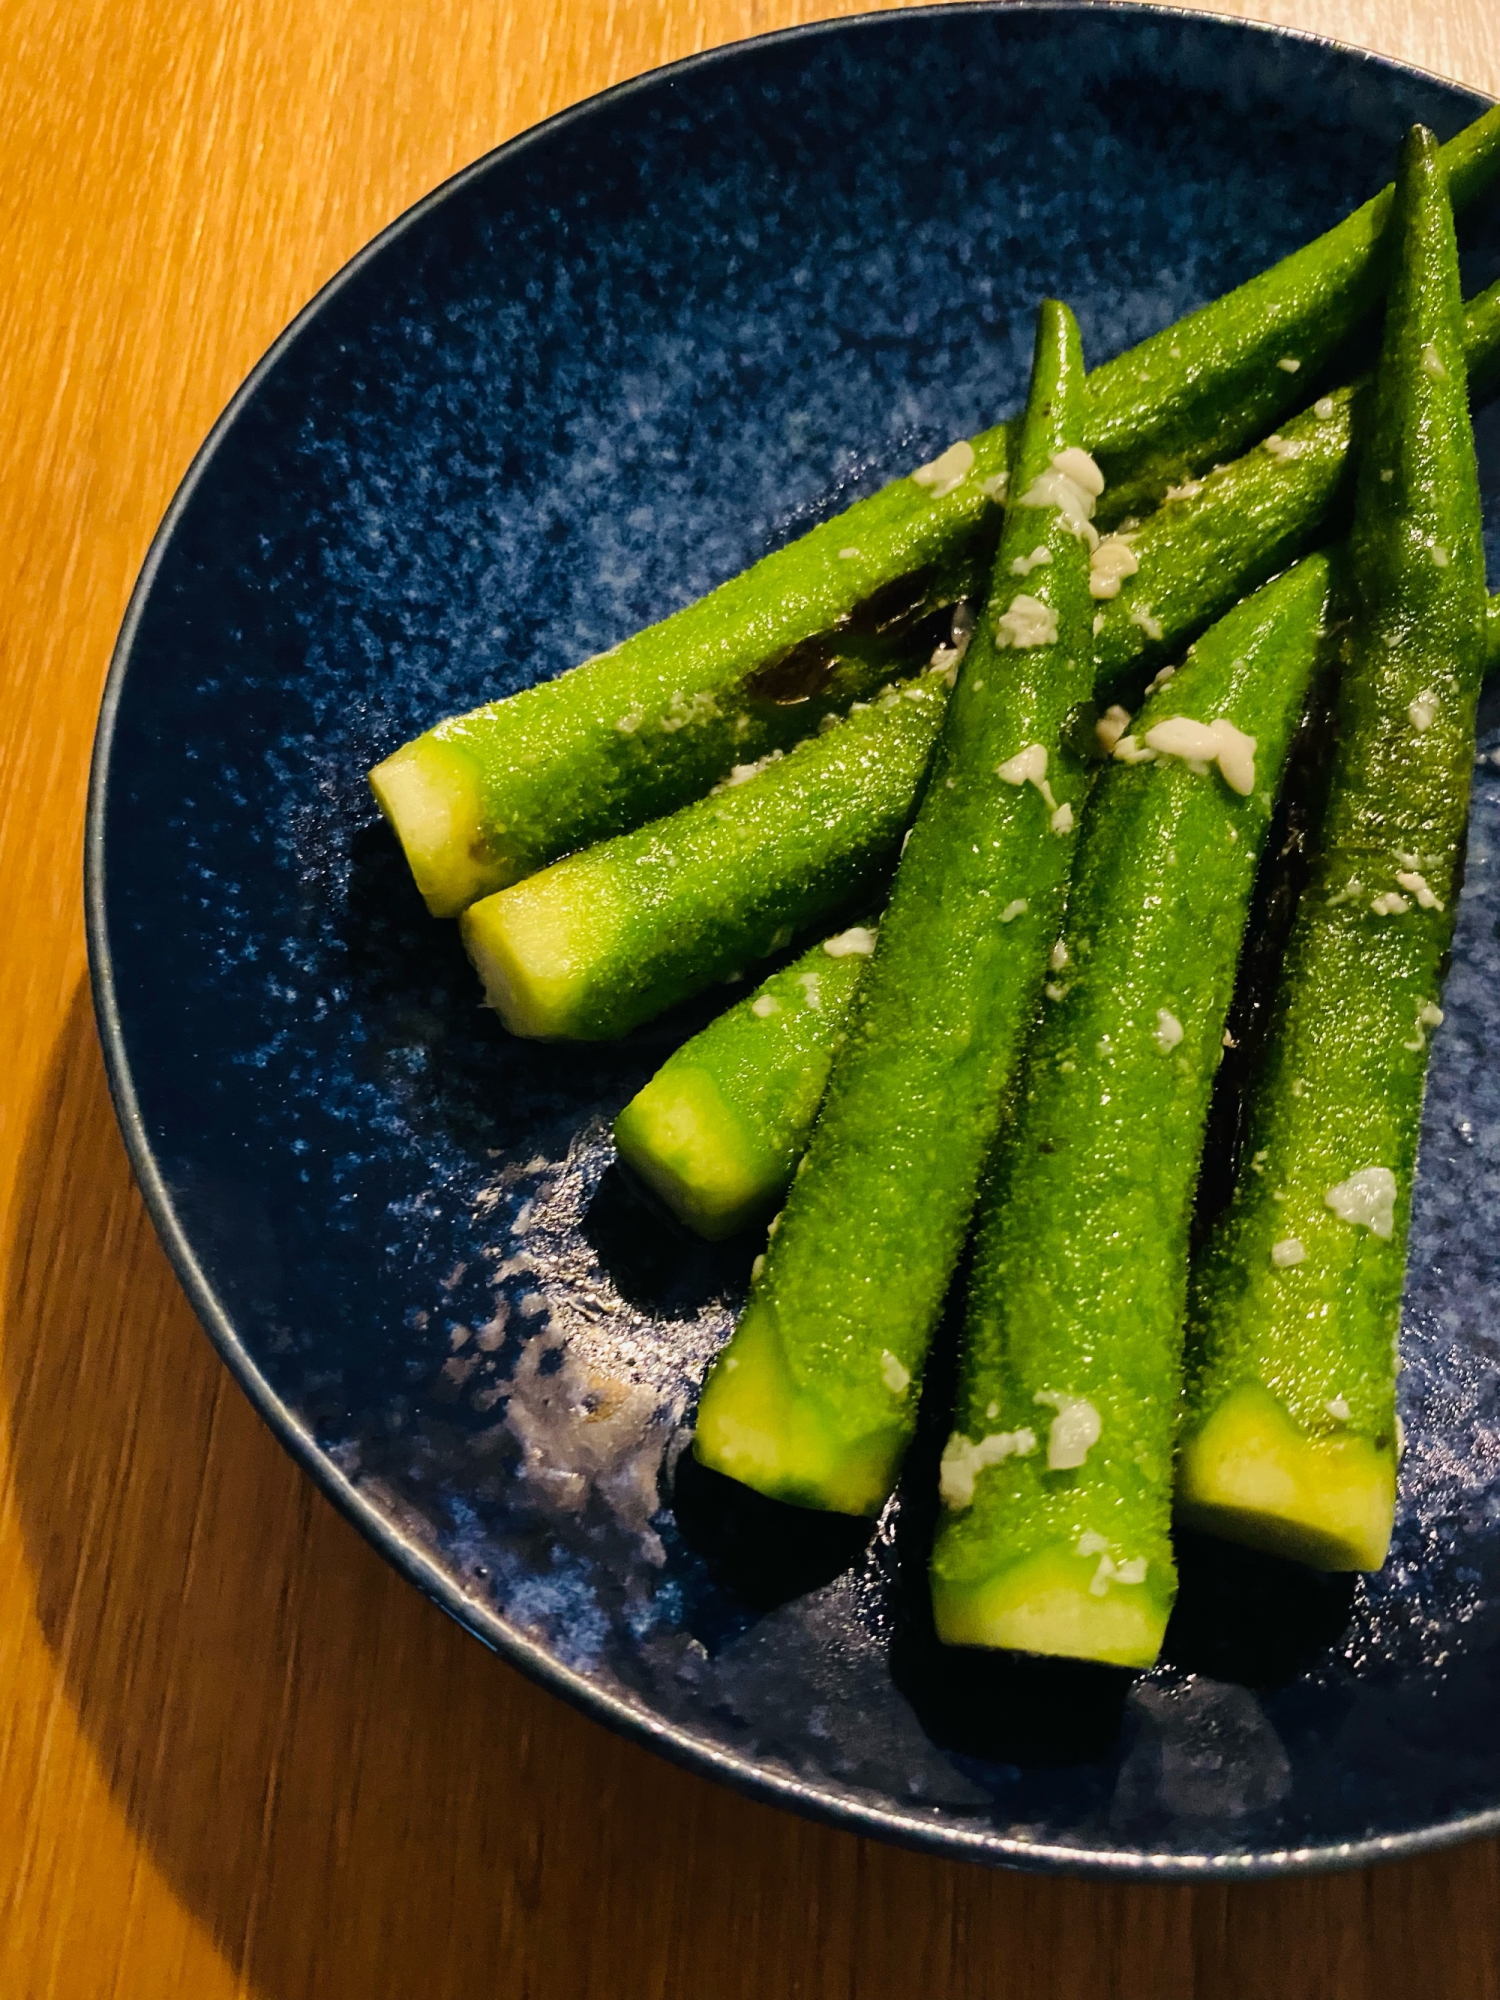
(586, 380)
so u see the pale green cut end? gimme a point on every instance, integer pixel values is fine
(691, 1150)
(527, 945)
(755, 1425)
(1250, 1475)
(1051, 1603)
(429, 792)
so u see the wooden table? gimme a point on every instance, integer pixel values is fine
(237, 1755)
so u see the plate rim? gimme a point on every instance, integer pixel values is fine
(753, 1777)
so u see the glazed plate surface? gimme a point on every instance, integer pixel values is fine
(596, 374)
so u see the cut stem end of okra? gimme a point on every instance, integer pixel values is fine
(696, 1154)
(524, 945)
(755, 1425)
(1251, 1475)
(1057, 1603)
(429, 793)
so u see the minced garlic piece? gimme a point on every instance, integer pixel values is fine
(1168, 1031)
(948, 471)
(962, 1462)
(895, 1377)
(856, 942)
(1110, 564)
(765, 1005)
(1024, 565)
(1111, 726)
(1288, 1251)
(1073, 1432)
(1367, 1199)
(1027, 623)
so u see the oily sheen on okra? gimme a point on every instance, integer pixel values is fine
(599, 943)
(1289, 1432)
(486, 798)
(814, 1399)
(1057, 1481)
(719, 1129)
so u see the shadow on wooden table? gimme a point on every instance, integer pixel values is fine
(357, 1800)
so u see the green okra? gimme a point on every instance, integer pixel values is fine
(598, 943)
(1225, 534)
(719, 1129)
(1057, 1480)
(484, 799)
(814, 1399)
(1289, 1430)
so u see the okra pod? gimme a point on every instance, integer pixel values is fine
(718, 1131)
(600, 942)
(1289, 1432)
(1057, 1480)
(814, 1398)
(483, 799)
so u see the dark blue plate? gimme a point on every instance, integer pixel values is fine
(586, 380)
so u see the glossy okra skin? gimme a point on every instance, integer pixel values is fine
(1229, 532)
(486, 798)
(598, 943)
(814, 1399)
(718, 1131)
(1080, 1273)
(1289, 1428)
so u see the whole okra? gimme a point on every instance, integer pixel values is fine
(814, 1399)
(1289, 1431)
(1057, 1480)
(720, 1127)
(483, 799)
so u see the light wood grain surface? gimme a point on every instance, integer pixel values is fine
(237, 1755)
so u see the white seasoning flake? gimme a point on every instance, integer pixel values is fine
(1058, 957)
(1188, 490)
(1100, 621)
(1367, 1200)
(948, 471)
(1439, 555)
(896, 1378)
(1229, 1042)
(1338, 1409)
(1013, 910)
(1128, 751)
(1200, 744)
(1071, 484)
(963, 1461)
(995, 486)
(1110, 564)
(1111, 726)
(1283, 450)
(1145, 617)
(1421, 712)
(1062, 819)
(764, 1005)
(1072, 1433)
(1028, 766)
(856, 942)
(848, 555)
(1160, 679)
(1040, 556)
(1430, 1015)
(812, 985)
(1416, 885)
(991, 1411)
(1027, 623)
(1432, 363)
(1132, 1570)
(629, 724)
(756, 1268)
(1168, 1031)
(1389, 904)
(1289, 364)
(1288, 1251)
(1323, 408)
